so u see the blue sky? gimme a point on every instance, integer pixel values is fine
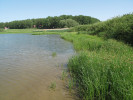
(27, 9)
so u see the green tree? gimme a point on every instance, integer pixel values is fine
(68, 23)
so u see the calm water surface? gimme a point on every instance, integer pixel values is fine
(27, 67)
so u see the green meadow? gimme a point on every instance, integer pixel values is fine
(18, 31)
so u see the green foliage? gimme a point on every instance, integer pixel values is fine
(70, 84)
(68, 23)
(82, 20)
(62, 30)
(1, 25)
(50, 22)
(1, 29)
(54, 54)
(53, 85)
(120, 28)
(81, 41)
(64, 75)
(101, 73)
(18, 31)
(19, 24)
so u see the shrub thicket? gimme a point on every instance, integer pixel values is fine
(120, 28)
(68, 23)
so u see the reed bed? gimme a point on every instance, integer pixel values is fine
(103, 69)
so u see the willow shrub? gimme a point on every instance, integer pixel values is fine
(120, 28)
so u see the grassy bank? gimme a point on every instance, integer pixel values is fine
(34, 31)
(17, 31)
(103, 70)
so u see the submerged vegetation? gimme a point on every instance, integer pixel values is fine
(53, 85)
(64, 75)
(54, 54)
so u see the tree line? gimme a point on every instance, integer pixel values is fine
(63, 21)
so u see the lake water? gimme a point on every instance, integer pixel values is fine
(27, 67)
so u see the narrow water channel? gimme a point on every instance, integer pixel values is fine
(27, 67)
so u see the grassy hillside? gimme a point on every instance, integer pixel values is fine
(119, 28)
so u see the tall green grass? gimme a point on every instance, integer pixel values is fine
(63, 30)
(83, 42)
(103, 70)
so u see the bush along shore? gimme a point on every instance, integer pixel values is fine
(119, 28)
(103, 69)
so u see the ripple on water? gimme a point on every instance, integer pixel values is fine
(27, 67)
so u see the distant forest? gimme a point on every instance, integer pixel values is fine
(63, 21)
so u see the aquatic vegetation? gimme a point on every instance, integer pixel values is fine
(62, 65)
(70, 84)
(58, 65)
(54, 54)
(53, 85)
(64, 75)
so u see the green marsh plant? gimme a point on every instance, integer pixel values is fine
(102, 69)
(54, 54)
(53, 85)
(64, 75)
